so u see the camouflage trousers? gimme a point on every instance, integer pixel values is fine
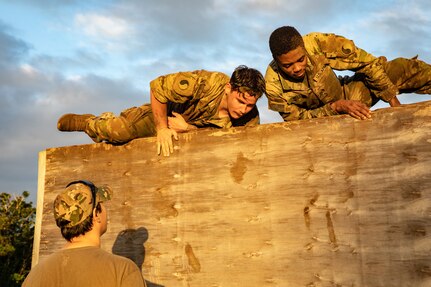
(136, 122)
(408, 75)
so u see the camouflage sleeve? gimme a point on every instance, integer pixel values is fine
(378, 81)
(286, 103)
(294, 112)
(343, 54)
(177, 88)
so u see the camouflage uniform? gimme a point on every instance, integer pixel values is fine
(195, 95)
(374, 79)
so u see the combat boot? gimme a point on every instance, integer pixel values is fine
(73, 122)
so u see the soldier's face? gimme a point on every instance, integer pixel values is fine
(293, 63)
(239, 104)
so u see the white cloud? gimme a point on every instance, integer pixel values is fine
(101, 26)
(28, 69)
(74, 78)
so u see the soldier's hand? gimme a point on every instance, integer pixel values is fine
(165, 146)
(177, 123)
(355, 109)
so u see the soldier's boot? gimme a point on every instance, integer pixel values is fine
(73, 122)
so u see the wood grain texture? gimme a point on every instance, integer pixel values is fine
(326, 202)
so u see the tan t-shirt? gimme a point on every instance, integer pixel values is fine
(85, 266)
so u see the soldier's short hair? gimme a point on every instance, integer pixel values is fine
(73, 208)
(284, 40)
(248, 80)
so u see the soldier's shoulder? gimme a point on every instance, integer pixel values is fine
(208, 74)
(318, 37)
(329, 44)
(271, 70)
(215, 76)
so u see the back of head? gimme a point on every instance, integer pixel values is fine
(248, 80)
(284, 40)
(73, 207)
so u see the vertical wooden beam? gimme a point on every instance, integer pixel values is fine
(39, 206)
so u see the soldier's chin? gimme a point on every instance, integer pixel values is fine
(235, 116)
(299, 77)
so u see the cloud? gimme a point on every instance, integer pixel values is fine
(30, 105)
(13, 49)
(393, 30)
(80, 60)
(34, 92)
(101, 26)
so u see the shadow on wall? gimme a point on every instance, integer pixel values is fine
(130, 244)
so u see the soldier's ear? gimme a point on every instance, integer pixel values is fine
(96, 213)
(228, 88)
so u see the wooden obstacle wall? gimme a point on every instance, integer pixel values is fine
(327, 202)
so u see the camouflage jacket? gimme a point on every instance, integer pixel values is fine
(312, 97)
(197, 96)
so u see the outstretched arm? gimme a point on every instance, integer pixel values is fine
(164, 133)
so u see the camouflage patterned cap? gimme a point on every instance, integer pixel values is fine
(75, 203)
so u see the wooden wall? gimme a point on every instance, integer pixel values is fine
(326, 202)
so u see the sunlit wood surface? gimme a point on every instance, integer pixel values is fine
(327, 202)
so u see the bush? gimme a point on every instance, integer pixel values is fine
(17, 219)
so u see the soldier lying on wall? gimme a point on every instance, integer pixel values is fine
(179, 102)
(301, 83)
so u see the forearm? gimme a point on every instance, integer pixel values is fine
(378, 81)
(159, 112)
(373, 68)
(293, 112)
(190, 128)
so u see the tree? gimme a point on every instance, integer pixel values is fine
(17, 219)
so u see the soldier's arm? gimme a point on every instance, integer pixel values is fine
(291, 112)
(179, 124)
(355, 109)
(165, 145)
(287, 103)
(176, 88)
(378, 81)
(343, 54)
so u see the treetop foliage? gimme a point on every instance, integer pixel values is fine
(17, 218)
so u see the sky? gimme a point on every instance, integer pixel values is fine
(95, 56)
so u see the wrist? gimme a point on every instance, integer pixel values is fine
(190, 127)
(162, 128)
(333, 106)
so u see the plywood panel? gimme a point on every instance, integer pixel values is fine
(326, 202)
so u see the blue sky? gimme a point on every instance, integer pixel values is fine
(95, 56)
